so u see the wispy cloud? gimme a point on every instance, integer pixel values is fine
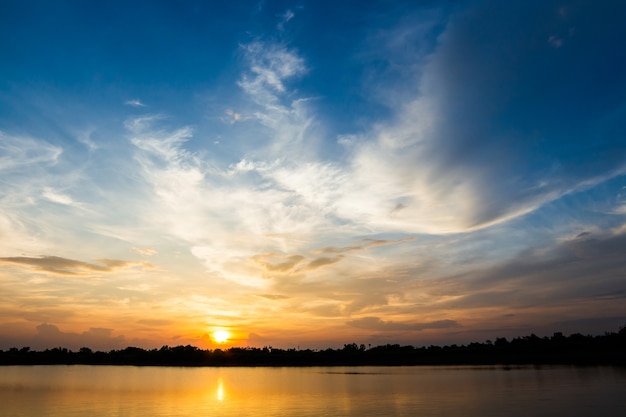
(233, 117)
(286, 17)
(319, 262)
(273, 296)
(58, 197)
(145, 251)
(277, 263)
(366, 243)
(561, 272)
(19, 152)
(375, 323)
(435, 165)
(70, 267)
(134, 103)
(84, 137)
(271, 65)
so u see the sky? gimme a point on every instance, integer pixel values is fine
(309, 174)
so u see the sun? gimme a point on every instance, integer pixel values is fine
(221, 336)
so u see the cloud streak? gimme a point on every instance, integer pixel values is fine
(134, 103)
(18, 152)
(70, 267)
(375, 323)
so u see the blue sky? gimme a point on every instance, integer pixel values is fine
(308, 174)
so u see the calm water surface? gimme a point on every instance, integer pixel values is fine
(98, 391)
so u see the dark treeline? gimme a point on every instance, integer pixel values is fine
(576, 349)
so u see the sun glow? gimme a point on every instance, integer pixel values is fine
(221, 336)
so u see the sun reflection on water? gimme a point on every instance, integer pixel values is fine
(220, 390)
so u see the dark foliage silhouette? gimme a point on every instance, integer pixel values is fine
(576, 349)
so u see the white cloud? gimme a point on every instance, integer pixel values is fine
(270, 66)
(25, 164)
(233, 116)
(223, 214)
(281, 197)
(56, 197)
(134, 103)
(146, 251)
(286, 17)
(17, 152)
(139, 124)
(84, 137)
(443, 162)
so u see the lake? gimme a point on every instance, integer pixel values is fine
(98, 391)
